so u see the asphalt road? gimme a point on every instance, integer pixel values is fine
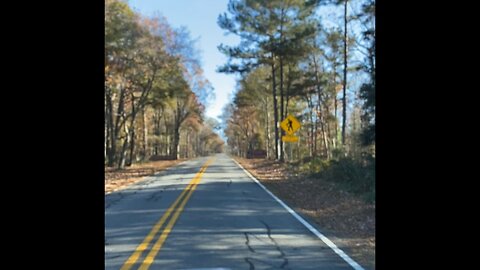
(207, 213)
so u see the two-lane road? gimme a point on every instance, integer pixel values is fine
(208, 213)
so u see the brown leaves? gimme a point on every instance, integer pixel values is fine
(118, 179)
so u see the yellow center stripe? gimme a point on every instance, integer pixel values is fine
(144, 245)
(158, 245)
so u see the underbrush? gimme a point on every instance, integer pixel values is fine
(352, 175)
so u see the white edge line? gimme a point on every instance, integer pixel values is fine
(322, 237)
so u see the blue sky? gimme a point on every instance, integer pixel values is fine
(200, 18)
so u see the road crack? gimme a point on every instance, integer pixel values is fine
(262, 254)
(247, 242)
(252, 266)
(155, 196)
(282, 254)
(111, 202)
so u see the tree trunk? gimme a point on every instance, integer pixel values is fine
(315, 131)
(109, 133)
(166, 147)
(106, 144)
(324, 135)
(329, 137)
(320, 116)
(112, 148)
(176, 145)
(105, 131)
(156, 131)
(123, 153)
(187, 144)
(287, 92)
(275, 109)
(312, 135)
(344, 99)
(132, 146)
(119, 122)
(176, 135)
(282, 150)
(145, 135)
(267, 125)
(197, 148)
(335, 103)
(132, 132)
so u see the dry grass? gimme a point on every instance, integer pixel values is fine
(119, 179)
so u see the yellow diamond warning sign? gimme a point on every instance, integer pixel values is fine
(290, 124)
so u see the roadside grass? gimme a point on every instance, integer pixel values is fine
(348, 174)
(118, 179)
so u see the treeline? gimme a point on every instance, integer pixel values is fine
(290, 63)
(155, 92)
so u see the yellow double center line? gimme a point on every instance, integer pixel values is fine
(181, 201)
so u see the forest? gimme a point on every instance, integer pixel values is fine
(291, 60)
(155, 91)
(321, 71)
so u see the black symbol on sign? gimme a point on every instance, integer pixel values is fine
(290, 127)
